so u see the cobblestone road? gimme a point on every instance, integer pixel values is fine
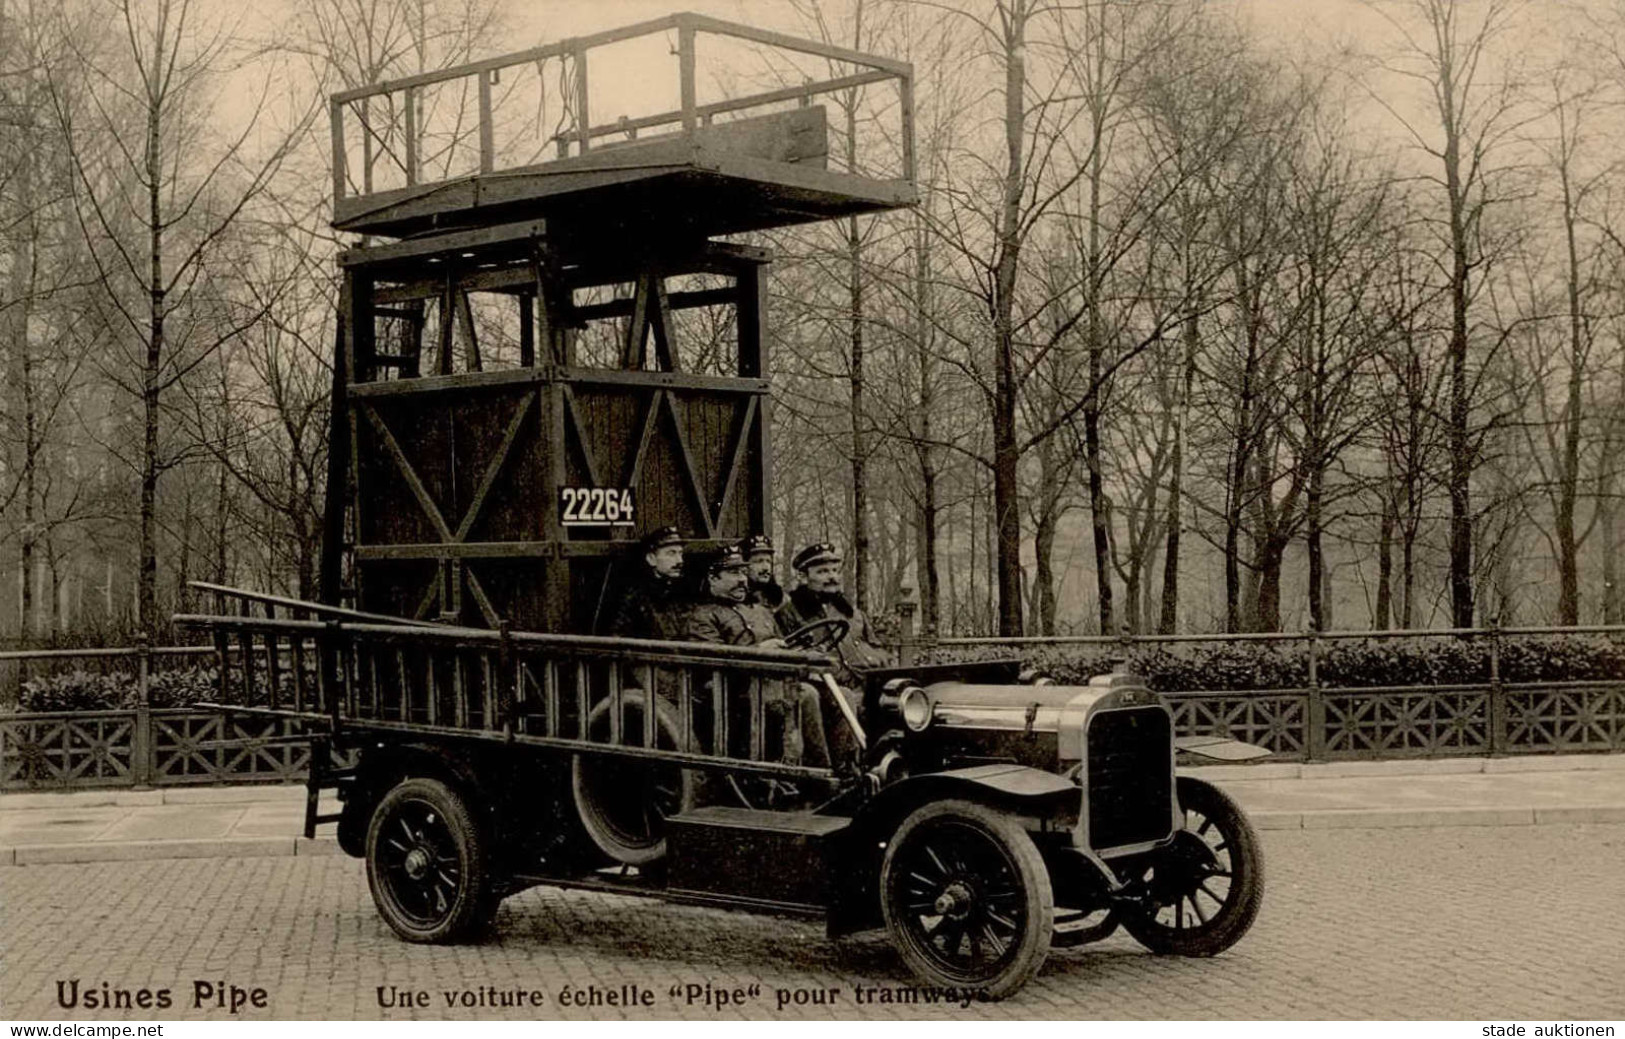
(1461, 922)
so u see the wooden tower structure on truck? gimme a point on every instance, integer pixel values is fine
(511, 409)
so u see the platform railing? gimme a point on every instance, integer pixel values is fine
(388, 122)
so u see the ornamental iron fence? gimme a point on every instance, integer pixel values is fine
(160, 746)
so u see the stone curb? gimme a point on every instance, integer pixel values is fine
(198, 795)
(1402, 818)
(1415, 767)
(133, 851)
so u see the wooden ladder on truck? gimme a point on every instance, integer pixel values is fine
(287, 660)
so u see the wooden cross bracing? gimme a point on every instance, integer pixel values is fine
(450, 575)
(637, 421)
(662, 404)
(651, 313)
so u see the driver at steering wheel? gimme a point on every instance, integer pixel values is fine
(819, 597)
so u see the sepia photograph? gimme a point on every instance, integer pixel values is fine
(813, 510)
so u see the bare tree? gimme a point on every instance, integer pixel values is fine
(157, 200)
(1446, 47)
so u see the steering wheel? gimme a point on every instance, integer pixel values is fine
(822, 635)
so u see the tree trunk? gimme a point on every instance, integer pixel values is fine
(1044, 548)
(1267, 610)
(1240, 466)
(1385, 557)
(1407, 577)
(183, 565)
(1006, 454)
(147, 575)
(1312, 536)
(1169, 621)
(1099, 505)
(31, 451)
(1461, 452)
(860, 450)
(221, 529)
(23, 284)
(1609, 532)
(1568, 564)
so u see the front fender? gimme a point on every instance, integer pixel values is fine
(1019, 788)
(1043, 800)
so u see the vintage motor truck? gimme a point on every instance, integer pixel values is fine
(502, 434)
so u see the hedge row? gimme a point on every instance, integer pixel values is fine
(1350, 664)
(1180, 668)
(117, 690)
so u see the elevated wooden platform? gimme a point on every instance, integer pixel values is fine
(768, 171)
(462, 148)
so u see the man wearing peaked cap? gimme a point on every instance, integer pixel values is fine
(764, 588)
(654, 606)
(663, 537)
(816, 553)
(724, 614)
(819, 596)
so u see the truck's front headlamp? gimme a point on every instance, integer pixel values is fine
(915, 707)
(912, 705)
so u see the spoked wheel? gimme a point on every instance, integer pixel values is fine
(967, 898)
(426, 864)
(1203, 891)
(624, 802)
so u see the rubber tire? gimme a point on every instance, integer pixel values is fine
(1242, 901)
(475, 903)
(668, 731)
(1034, 943)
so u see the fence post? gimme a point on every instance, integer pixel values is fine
(1498, 693)
(905, 635)
(141, 763)
(1316, 723)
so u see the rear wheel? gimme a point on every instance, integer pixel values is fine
(427, 864)
(966, 898)
(623, 802)
(1204, 890)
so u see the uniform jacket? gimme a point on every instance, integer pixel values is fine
(769, 595)
(803, 606)
(653, 609)
(731, 623)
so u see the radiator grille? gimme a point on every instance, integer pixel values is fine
(1130, 776)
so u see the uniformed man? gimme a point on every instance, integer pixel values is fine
(655, 607)
(725, 615)
(764, 586)
(819, 597)
(724, 612)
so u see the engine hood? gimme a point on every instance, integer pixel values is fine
(1059, 711)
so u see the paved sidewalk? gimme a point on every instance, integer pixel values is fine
(205, 822)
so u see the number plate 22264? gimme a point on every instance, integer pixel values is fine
(597, 507)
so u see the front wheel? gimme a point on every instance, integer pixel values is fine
(1203, 890)
(966, 898)
(427, 865)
